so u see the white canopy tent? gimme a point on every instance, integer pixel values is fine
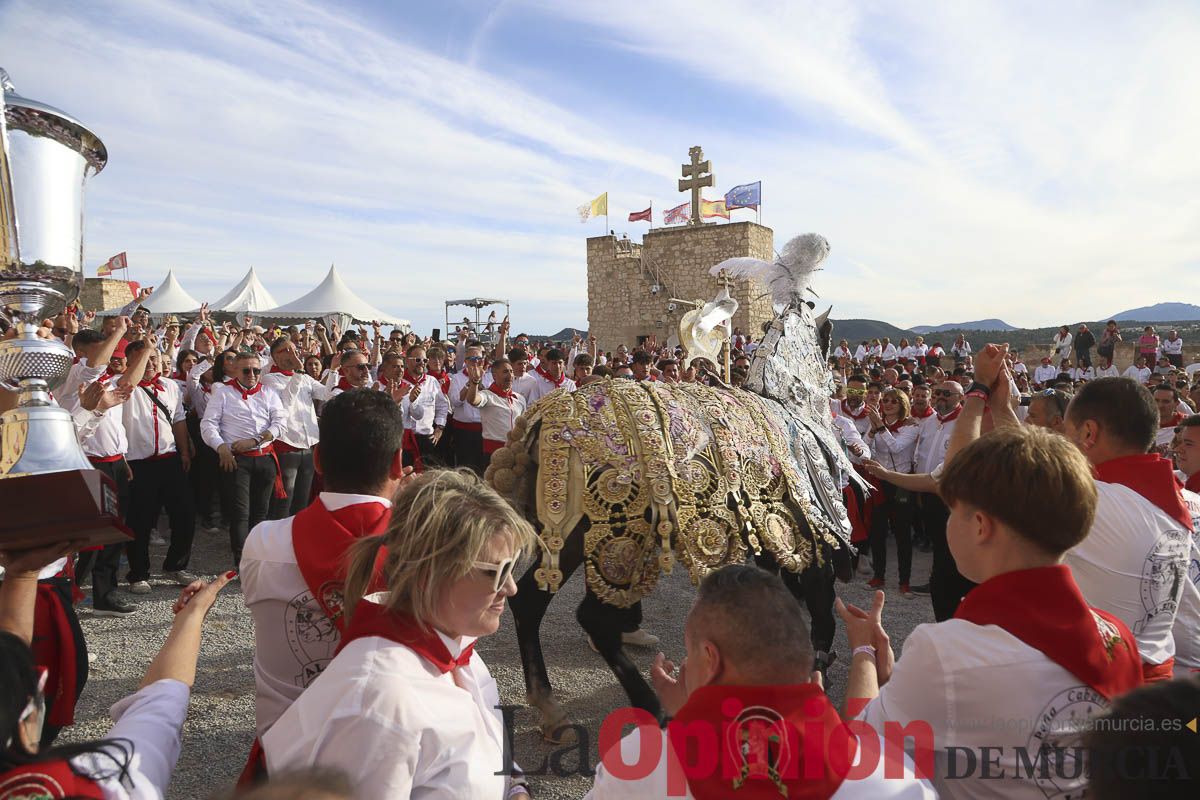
(333, 297)
(248, 297)
(169, 297)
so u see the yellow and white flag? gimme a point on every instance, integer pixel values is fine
(596, 208)
(713, 208)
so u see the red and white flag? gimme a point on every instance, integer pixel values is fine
(641, 216)
(680, 213)
(119, 261)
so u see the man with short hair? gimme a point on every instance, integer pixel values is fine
(465, 420)
(1045, 374)
(668, 368)
(425, 418)
(854, 406)
(582, 367)
(298, 429)
(1084, 341)
(1134, 561)
(1171, 348)
(355, 372)
(946, 585)
(749, 661)
(1024, 647)
(1047, 410)
(641, 365)
(549, 375)
(921, 409)
(1139, 371)
(293, 568)
(159, 455)
(1166, 399)
(497, 404)
(241, 422)
(1107, 369)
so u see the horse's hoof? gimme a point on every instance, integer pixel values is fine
(559, 732)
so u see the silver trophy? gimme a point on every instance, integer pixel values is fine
(46, 157)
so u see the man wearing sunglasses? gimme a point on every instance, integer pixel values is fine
(854, 406)
(464, 416)
(428, 407)
(241, 423)
(355, 372)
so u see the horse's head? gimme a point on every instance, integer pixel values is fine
(790, 363)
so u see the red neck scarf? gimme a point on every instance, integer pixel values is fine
(344, 384)
(1152, 477)
(321, 538)
(48, 779)
(1175, 419)
(506, 395)
(1044, 608)
(928, 412)
(538, 369)
(443, 379)
(276, 370)
(846, 412)
(765, 749)
(1193, 483)
(413, 379)
(897, 425)
(156, 383)
(372, 619)
(953, 415)
(242, 389)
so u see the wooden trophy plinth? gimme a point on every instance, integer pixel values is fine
(60, 506)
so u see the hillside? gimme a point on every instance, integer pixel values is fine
(855, 330)
(1160, 312)
(977, 325)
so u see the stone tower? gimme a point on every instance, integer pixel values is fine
(630, 285)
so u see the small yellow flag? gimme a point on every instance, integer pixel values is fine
(713, 208)
(596, 208)
(1191, 726)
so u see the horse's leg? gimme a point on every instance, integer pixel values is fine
(529, 606)
(604, 624)
(814, 587)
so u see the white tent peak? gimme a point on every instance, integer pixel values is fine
(169, 297)
(332, 296)
(248, 296)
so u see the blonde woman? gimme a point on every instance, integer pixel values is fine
(406, 706)
(893, 442)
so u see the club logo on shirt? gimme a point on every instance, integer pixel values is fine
(1055, 745)
(758, 738)
(1109, 635)
(311, 635)
(1163, 574)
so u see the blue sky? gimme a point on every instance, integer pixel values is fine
(1029, 161)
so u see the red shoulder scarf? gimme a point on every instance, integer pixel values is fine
(1151, 476)
(237, 387)
(372, 619)
(1193, 483)
(953, 415)
(321, 538)
(344, 384)
(845, 412)
(47, 780)
(538, 369)
(1044, 608)
(763, 739)
(928, 413)
(443, 379)
(277, 371)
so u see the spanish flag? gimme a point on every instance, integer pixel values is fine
(596, 208)
(713, 208)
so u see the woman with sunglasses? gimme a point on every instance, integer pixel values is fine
(893, 440)
(138, 756)
(406, 706)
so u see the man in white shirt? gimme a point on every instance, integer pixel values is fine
(105, 448)
(749, 693)
(354, 372)
(888, 353)
(498, 405)
(241, 421)
(1186, 631)
(523, 376)
(1024, 666)
(1045, 374)
(159, 455)
(1107, 369)
(465, 419)
(1134, 562)
(292, 571)
(297, 428)
(1171, 348)
(1138, 371)
(425, 418)
(550, 374)
(946, 585)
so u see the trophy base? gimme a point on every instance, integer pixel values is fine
(58, 507)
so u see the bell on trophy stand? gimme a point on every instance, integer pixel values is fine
(47, 487)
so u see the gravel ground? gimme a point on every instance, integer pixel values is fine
(220, 724)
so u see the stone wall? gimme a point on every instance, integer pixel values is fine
(622, 304)
(102, 293)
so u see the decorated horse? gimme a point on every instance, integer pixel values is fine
(629, 479)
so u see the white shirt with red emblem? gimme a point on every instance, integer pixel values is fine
(293, 639)
(1132, 564)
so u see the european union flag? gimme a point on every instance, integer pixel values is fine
(748, 195)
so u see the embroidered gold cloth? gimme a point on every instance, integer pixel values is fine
(658, 472)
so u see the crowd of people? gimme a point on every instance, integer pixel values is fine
(1060, 512)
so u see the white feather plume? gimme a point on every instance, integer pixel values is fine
(788, 276)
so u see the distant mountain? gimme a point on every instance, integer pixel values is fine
(977, 325)
(855, 330)
(1160, 312)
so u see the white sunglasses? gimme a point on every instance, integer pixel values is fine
(499, 573)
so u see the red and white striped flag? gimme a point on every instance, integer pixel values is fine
(680, 213)
(641, 216)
